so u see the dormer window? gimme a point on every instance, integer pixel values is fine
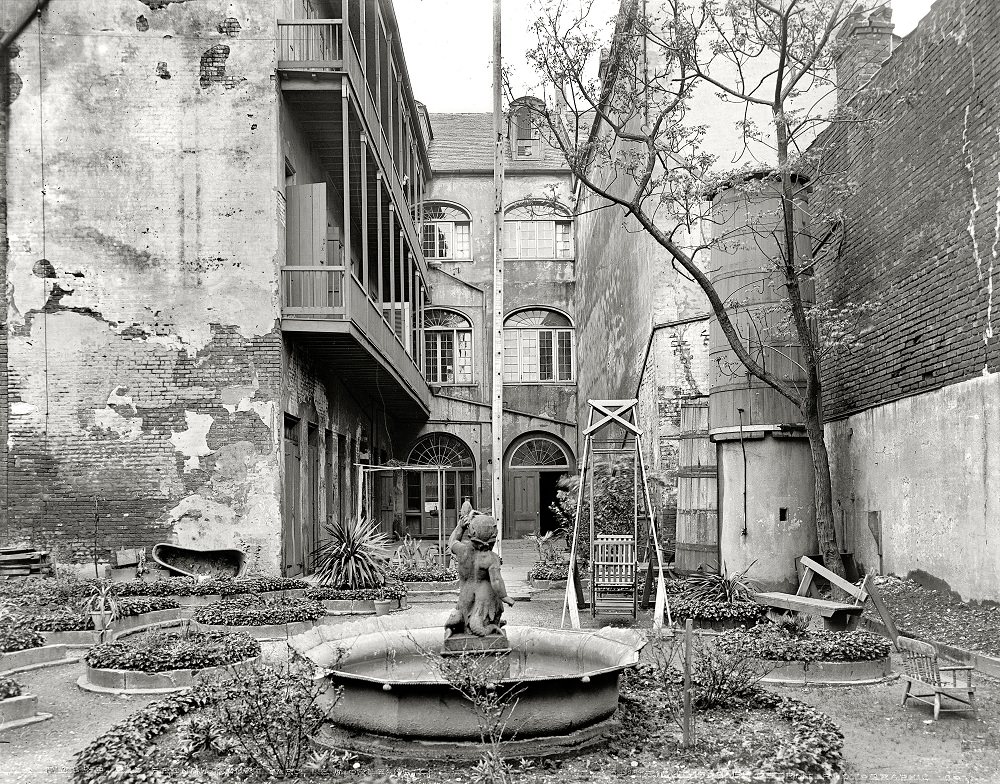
(525, 134)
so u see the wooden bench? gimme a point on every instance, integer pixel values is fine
(921, 667)
(836, 615)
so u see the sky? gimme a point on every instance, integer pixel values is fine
(448, 45)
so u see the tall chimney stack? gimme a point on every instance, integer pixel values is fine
(866, 41)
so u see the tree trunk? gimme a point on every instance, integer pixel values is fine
(826, 532)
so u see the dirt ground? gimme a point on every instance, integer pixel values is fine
(883, 741)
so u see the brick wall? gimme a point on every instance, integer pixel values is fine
(921, 234)
(143, 360)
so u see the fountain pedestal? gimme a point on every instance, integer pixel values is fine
(457, 644)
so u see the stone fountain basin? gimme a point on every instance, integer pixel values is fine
(567, 680)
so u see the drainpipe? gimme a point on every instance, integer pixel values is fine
(744, 450)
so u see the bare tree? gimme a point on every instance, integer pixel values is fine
(631, 133)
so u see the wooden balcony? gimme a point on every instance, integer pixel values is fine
(327, 310)
(314, 56)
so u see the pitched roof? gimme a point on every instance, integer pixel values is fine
(464, 142)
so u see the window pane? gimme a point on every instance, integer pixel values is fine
(428, 240)
(529, 355)
(527, 240)
(545, 365)
(431, 355)
(511, 363)
(510, 239)
(463, 241)
(463, 361)
(565, 356)
(413, 492)
(444, 232)
(447, 343)
(546, 233)
(564, 241)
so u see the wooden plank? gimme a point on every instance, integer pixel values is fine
(858, 593)
(883, 611)
(824, 607)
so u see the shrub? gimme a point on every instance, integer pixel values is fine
(256, 611)
(46, 590)
(770, 642)
(19, 637)
(225, 586)
(425, 574)
(748, 613)
(9, 688)
(158, 651)
(724, 676)
(355, 554)
(273, 715)
(387, 591)
(548, 571)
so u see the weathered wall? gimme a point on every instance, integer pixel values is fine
(915, 405)
(144, 362)
(929, 465)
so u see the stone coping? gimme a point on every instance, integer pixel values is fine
(419, 586)
(274, 631)
(108, 681)
(20, 712)
(127, 625)
(355, 606)
(828, 673)
(989, 665)
(32, 658)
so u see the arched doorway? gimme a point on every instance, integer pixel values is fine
(437, 492)
(535, 463)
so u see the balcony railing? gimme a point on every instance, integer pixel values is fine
(328, 293)
(311, 43)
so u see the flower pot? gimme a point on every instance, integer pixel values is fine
(101, 620)
(383, 606)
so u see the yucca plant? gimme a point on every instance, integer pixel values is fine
(354, 555)
(719, 588)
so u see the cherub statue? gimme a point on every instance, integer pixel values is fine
(481, 590)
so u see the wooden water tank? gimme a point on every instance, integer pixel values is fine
(748, 239)
(697, 492)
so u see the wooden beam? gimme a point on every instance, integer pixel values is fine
(345, 101)
(379, 185)
(365, 272)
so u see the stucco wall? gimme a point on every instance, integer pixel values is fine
(144, 359)
(930, 465)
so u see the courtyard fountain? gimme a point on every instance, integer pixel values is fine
(397, 702)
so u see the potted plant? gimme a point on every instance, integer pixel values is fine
(383, 606)
(102, 606)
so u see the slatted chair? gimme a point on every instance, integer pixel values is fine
(920, 663)
(614, 575)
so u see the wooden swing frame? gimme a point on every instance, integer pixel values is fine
(602, 414)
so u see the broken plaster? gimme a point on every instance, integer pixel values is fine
(193, 442)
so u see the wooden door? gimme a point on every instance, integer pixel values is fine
(292, 561)
(523, 504)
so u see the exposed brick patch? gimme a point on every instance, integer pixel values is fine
(161, 70)
(230, 27)
(141, 23)
(156, 5)
(213, 67)
(921, 235)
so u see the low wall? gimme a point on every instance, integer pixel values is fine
(16, 661)
(99, 679)
(926, 467)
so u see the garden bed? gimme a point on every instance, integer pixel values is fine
(718, 616)
(160, 661)
(830, 673)
(18, 709)
(939, 616)
(31, 658)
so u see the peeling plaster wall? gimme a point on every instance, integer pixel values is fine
(144, 364)
(930, 466)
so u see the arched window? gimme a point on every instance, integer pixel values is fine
(439, 490)
(538, 347)
(524, 131)
(447, 347)
(538, 230)
(447, 232)
(539, 453)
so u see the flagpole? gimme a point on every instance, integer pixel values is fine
(497, 402)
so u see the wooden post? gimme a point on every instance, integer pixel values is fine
(497, 402)
(346, 108)
(392, 265)
(380, 247)
(686, 725)
(365, 272)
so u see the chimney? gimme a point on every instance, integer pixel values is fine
(866, 41)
